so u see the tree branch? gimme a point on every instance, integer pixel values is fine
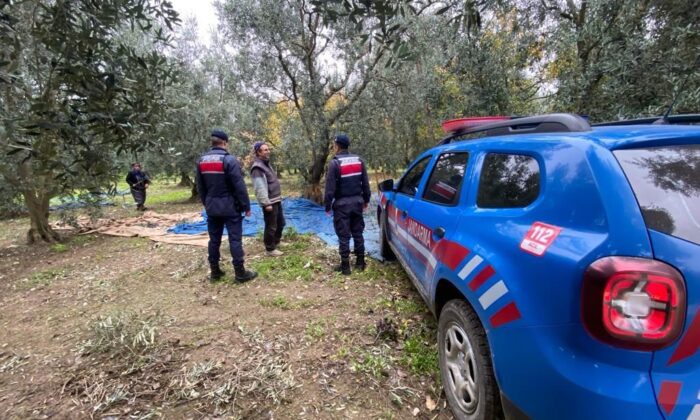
(556, 9)
(352, 99)
(295, 86)
(290, 76)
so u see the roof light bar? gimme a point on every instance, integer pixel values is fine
(548, 123)
(459, 124)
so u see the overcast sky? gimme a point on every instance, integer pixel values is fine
(203, 10)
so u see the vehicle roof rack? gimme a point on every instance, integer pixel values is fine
(548, 123)
(672, 119)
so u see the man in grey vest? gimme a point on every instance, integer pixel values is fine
(269, 194)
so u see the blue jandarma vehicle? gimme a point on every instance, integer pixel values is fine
(562, 262)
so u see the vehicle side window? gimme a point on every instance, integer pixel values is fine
(508, 181)
(411, 180)
(445, 182)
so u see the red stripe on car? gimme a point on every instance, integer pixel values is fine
(450, 253)
(508, 313)
(481, 278)
(420, 232)
(689, 344)
(390, 209)
(415, 253)
(668, 395)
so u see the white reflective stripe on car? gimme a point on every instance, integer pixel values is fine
(494, 293)
(470, 266)
(695, 414)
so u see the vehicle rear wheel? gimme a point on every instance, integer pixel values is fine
(384, 247)
(465, 364)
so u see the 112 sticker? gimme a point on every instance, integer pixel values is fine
(539, 238)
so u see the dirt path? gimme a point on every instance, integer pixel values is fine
(109, 327)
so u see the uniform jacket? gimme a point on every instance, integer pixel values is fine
(346, 177)
(220, 184)
(137, 180)
(267, 186)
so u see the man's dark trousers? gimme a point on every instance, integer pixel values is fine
(234, 226)
(139, 195)
(274, 225)
(348, 222)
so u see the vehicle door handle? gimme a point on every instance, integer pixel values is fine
(404, 214)
(439, 232)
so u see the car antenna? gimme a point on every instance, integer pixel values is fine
(664, 119)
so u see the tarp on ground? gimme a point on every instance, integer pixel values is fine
(150, 225)
(304, 216)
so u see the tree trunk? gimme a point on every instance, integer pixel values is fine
(313, 192)
(185, 180)
(38, 206)
(312, 182)
(195, 194)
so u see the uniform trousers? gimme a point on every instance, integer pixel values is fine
(348, 222)
(234, 227)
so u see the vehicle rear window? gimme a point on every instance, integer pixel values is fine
(508, 181)
(666, 181)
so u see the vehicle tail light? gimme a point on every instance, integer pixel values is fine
(633, 303)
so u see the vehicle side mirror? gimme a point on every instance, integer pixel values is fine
(386, 185)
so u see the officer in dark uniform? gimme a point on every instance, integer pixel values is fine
(347, 193)
(225, 197)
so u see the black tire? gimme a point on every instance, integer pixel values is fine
(384, 249)
(467, 376)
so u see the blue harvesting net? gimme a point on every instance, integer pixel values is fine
(304, 216)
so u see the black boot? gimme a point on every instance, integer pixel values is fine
(360, 262)
(216, 273)
(344, 266)
(243, 275)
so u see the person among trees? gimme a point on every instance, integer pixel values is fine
(269, 194)
(138, 181)
(225, 197)
(347, 194)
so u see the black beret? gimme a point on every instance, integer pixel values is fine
(342, 140)
(221, 134)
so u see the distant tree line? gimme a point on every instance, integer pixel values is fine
(84, 89)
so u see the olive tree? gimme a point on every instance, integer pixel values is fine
(289, 50)
(76, 91)
(452, 73)
(622, 58)
(205, 94)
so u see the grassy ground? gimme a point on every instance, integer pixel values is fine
(101, 327)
